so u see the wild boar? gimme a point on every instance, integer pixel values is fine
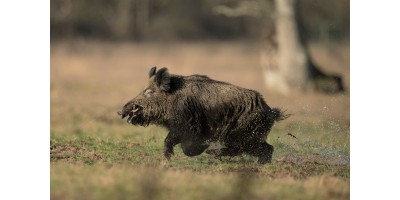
(198, 111)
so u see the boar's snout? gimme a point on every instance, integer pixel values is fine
(131, 110)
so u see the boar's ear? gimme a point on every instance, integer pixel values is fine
(163, 79)
(152, 71)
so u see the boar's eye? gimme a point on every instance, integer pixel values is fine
(148, 92)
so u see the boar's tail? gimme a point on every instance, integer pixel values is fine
(278, 114)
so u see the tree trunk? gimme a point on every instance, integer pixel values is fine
(287, 65)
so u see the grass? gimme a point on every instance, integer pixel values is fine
(96, 155)
(133, 166)
(101, 181)
(297, 158)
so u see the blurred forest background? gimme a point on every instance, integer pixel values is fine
(101, 51)
(160, 20)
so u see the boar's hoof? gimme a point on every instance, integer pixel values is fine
(264, 160)
(168, 153)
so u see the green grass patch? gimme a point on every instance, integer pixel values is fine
(312, 162)
(307, 154)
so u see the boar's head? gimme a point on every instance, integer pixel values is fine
(149, 106)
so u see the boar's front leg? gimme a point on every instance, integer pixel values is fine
(170, 141)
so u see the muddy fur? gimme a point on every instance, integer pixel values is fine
(198, 111)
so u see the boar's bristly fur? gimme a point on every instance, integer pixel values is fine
(198, 111)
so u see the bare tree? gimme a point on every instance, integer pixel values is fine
(285, 60)
(295, 69)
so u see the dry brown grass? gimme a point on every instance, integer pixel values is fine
(90, 81)
(123, 182)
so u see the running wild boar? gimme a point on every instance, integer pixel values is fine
(198, 111)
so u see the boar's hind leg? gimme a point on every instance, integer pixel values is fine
(253, 130)
(262, 150)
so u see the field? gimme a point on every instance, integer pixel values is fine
(96, 155)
